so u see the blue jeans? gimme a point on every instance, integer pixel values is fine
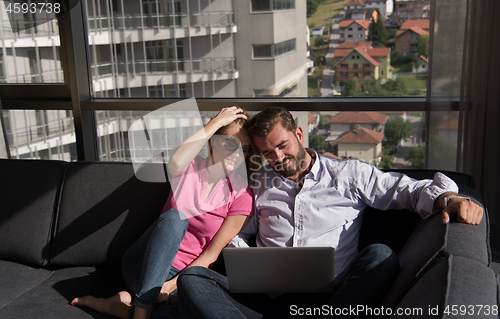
(147, 264)
(364, 282)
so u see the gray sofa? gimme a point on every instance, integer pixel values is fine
(64, 227)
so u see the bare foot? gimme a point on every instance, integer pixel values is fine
(117, 306)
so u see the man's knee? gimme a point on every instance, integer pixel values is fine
(381, 254)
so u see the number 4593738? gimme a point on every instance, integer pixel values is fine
(33, 7)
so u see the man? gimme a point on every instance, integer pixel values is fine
(306, 199)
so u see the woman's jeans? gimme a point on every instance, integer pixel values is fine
(147, 264)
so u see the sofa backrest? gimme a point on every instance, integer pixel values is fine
(29, 192)
(103, 209)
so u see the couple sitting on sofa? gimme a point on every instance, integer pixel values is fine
(300, 199)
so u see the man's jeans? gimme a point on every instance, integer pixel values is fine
(147, 264)
(364, 282)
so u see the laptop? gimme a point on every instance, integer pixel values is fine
(280, 269)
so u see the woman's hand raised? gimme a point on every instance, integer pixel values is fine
(228, 114)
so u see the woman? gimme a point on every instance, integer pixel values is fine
(209, 203)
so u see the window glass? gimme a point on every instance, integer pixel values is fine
(30, 50)
(40, 134)
(215, 49)
(385, 139)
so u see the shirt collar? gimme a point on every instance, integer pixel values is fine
(316, 166)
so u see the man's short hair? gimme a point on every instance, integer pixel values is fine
(263, 123)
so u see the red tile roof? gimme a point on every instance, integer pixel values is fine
(424, 58)
(360, 135)
(417, 30)
(359, 118)
(449, 124)
(367, 56)
(338, 53)
(355, 3)
(311, 118)
(329, 154)
(379, 51)
(352, 45)
(420, 23)
(362, 23)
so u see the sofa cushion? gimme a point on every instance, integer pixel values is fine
(51, 298)
(430, 243)
(16, 279)
(30, 190)
(454, 282)
(104, 209)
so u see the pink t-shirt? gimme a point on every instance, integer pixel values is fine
(230, 196)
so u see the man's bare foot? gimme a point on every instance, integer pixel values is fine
(117, 306)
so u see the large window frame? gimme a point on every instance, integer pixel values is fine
(75, 94)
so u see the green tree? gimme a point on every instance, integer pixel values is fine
(377, 33)
(317, 142)
(396, 85)
(423, 45)
(323, 121)
(351, 86)
(396, 130)
(320, 41)
(312, 6)
(416, 156)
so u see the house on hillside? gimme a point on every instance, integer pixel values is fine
(362, 62)
(312, 121)
(384, 6)
(365, 14)
(354, 4)
(411, 9)
(421, 66)
(345, 121)
(353, 30)
(360, 143)
(407, 38)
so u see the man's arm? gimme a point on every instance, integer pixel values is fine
(465, 210)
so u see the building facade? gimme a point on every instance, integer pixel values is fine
(155, 49)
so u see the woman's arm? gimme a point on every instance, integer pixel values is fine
(230, 228)
(188, 150)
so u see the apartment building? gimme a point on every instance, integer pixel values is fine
(407, 38)
(155, 49)
(353, 30)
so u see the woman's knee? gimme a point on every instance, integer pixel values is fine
(172, 220)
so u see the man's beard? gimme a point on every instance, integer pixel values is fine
(291, 170)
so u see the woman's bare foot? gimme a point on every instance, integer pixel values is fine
(117, 306)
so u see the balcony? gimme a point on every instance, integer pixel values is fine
(180, 66)
(340, 69)
(181, 20)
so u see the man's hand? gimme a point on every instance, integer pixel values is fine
(466, 211)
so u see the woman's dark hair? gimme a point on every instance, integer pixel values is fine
(249, 164)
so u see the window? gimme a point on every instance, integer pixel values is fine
(284, 47)
(360, 35)
(350, 29)
(403, 38)
(366, 65)
(349, 35)
(262, 51)
(360, 28)
(344, 66)
(357, 57)
(270, 51)
(261, 5)
(403, 46)
(265, 5)
(355, 66)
